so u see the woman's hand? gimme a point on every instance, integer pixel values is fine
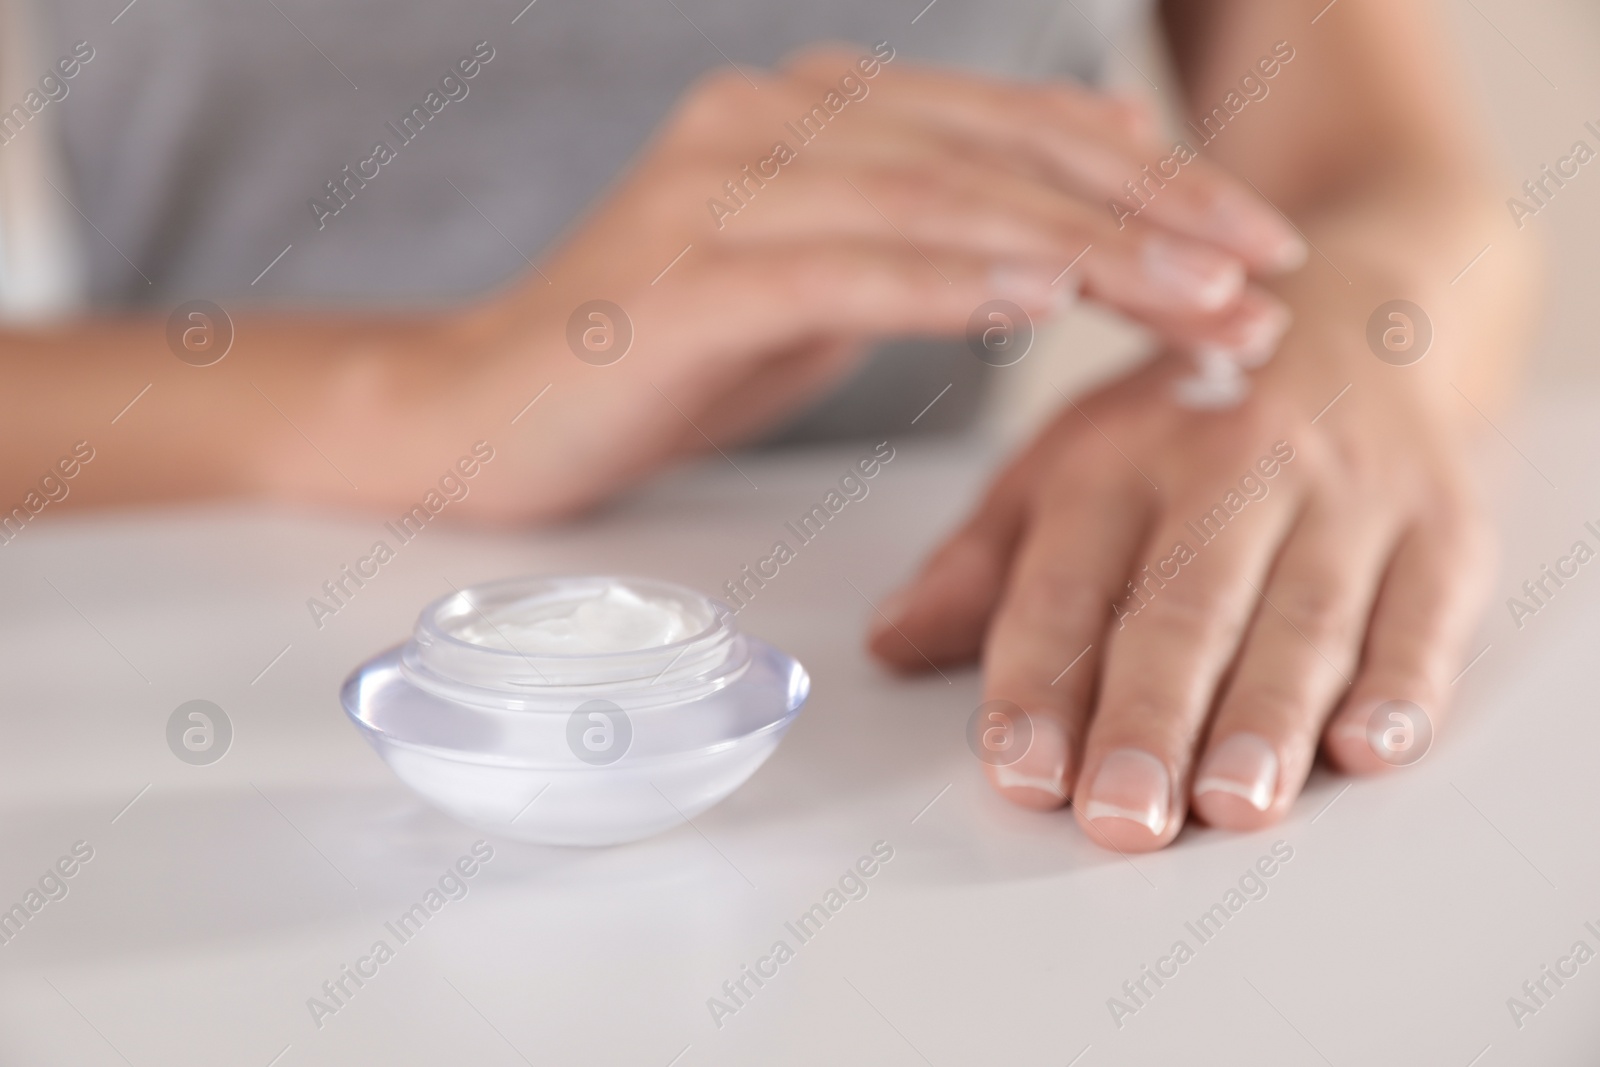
(772, 229)
(1185, 602)
(777, 224)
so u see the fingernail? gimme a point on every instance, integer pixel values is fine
(1255, 340)
(1065, 292)
(1216, 361)
(1044, 766)
(1261, 334)
(1137, 112)
(1240, 216)
(1023, 282)
(1290, 255)
(1192, 273)
(1244, 765)
(1130, 784)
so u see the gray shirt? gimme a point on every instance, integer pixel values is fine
(196, 139)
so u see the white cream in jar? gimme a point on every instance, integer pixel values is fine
(576, 711)
(611, 618)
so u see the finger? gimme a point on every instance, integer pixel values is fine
(1246, 334)
(1298, 660)
(1190, 603)
(1137, 112)
(716, 315)
(1042, 650)
(1140, 269)
(941, 615)
(1112, 115)
(1088, 145)
(1425, 616)
(674, 348)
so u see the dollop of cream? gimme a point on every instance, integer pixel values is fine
(613, 619)
(1218, 385)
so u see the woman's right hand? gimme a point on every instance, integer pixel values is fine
(916, 197)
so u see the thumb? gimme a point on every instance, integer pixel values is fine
(941, 615)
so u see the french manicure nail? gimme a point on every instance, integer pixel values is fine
(1245, 765)
(1261, 334)
(1044, 766)
(1216, 361)
(1191, 273)
(1239, 215)
(1290, 254)
(1131, 784)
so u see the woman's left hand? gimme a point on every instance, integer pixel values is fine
(1185, 602)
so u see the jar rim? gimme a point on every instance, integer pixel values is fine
(428, 620)
(439, 659)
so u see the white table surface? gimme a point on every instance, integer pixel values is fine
(220, 900)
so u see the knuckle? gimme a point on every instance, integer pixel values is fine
(1272, 702)
(877, 287)
(968, 560)
(1348, 462)
(715, 99)
(1199, 613)
(1455, 516)
(824, 60)
(917, 192)
(811, 278)
(1033, 114)
(722, 84)
(1314, 604)
(1264, 417)
(1424, 681)
(1262, 425)
(1057, 598)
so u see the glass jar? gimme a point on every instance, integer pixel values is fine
(576, 748)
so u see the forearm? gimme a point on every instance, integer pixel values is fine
(161, 428)
(1360, 139)
(1436, 249)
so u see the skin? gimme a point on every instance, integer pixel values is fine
(1357, 578)
(936, 193)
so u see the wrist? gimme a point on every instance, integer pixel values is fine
(1470, 296)
(362, 416)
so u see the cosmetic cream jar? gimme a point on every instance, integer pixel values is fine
(576, 711)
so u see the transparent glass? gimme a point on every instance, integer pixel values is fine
(573, 749)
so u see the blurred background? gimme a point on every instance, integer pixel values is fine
(1386, 939)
